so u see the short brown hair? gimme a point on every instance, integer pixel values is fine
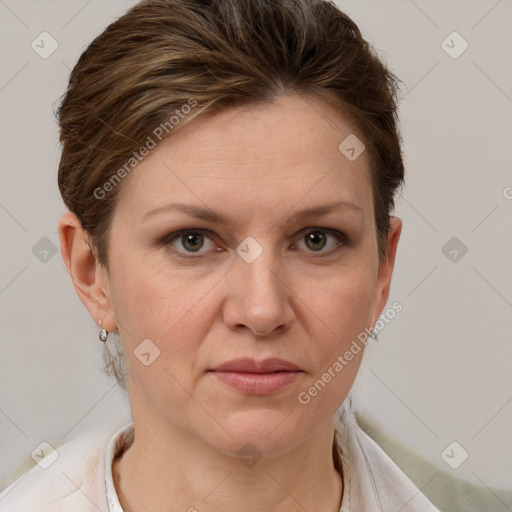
(162, 54)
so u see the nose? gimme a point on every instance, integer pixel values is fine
(259, 298)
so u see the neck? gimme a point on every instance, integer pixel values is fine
(170, 471)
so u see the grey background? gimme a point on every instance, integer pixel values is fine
(441, 372)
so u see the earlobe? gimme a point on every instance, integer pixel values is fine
(88, 276)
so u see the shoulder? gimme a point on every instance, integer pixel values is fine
(375, 481)
(71, 477)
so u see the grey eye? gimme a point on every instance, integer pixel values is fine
(316, 240)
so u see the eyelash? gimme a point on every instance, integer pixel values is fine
(168, 239)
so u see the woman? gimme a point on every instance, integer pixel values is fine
(229, 169)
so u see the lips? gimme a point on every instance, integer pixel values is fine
(253, 377)
(247, 365)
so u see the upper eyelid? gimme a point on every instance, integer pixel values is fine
(340, 235)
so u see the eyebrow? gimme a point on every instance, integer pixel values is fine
(210, 215)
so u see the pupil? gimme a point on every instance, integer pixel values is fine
(316, 238)
(191, 241)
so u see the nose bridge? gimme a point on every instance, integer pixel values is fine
(258, 268)
(260, 300)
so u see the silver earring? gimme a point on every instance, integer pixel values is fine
(374, 335)
(103, 334)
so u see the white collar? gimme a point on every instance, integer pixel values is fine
(121, 440)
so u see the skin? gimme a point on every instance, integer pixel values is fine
(303, 302)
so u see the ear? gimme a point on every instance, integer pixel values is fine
(89, 277)
(386, 268)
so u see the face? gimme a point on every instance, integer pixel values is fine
(247, 234)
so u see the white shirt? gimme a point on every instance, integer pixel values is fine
(80, 479)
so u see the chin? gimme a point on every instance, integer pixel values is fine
(268, 433)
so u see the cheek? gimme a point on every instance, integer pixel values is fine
(169, 312)
(147, 297)
(173, 311)
(341, 304)
(344, 309)
(349, 309)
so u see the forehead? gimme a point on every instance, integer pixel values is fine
(273, 154)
